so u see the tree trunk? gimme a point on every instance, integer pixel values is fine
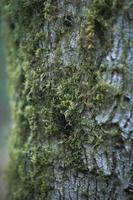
(71, 67)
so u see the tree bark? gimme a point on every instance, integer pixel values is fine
(71, 67)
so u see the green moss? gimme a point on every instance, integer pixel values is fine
(100, 16)
(49, 102)
(85, 195)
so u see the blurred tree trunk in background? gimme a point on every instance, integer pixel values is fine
(71, 82)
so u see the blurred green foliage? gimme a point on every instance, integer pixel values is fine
(4, 105)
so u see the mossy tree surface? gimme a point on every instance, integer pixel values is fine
(70, 67)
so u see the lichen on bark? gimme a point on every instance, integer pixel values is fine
(69, 63)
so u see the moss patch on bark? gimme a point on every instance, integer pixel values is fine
(49, 102)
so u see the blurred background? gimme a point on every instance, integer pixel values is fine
(4, 121)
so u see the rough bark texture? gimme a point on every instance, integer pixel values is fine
(71, 74)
